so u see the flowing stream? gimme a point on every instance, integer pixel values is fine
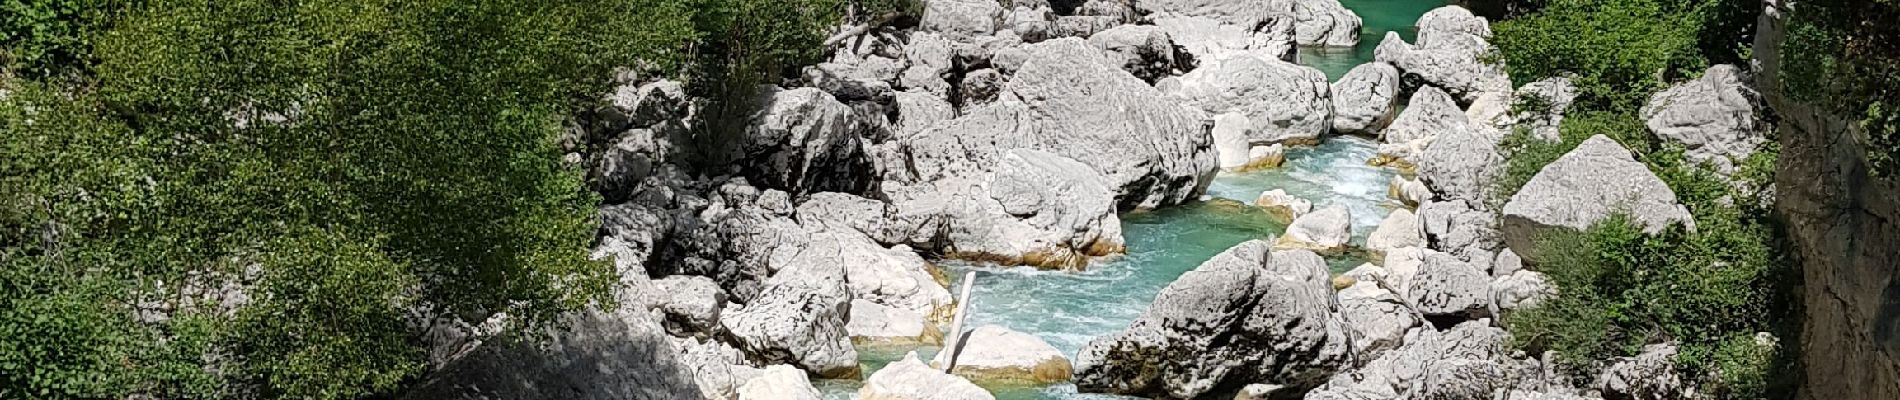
(1068, 309)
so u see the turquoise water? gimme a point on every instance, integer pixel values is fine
(1068, 308)
(1378, 17)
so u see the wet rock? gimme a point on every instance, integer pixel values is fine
(877, 324)
(691, 305)
(1325, 23)
(1283, 206)
(1365, 99)
(992, 353)
(779, 382)
(1263, 157)
(1145, 51)
(1246, 316)
(1584, 186)
(961, 20)
(1717, 118)
(1327, 230)
(910, 379)
(1448, 289)
(1300, 113)
(1399, 229)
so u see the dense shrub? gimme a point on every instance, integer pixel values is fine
(1844, 56)
(1619, 51)
(1525, 154)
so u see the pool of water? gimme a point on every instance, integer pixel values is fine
(1068, 308)
(1377, 17)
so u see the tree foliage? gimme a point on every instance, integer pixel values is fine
(1619, 51)
(1844, 56)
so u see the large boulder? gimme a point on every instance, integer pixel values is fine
(1247, 13)
(1462, 165)
(931, 57)
(1430, 113)
(1327, 230)
(1450, 54)
(1067, 100)
(801, 141)
(1584, 186)
(1145, 51)
(918, 111)
(779, 382)
(1365, 99)
(962, 20)
(1207, 37)
(799, 317)
(1036, 208)
(1325, 23)
(1246, 316)
(1717, 118)
(910, 379)
(1230, 140)
(1461, 228)
(1301, 109)
(895, 277)
(692, 304)
(1445, 288)
(992, 353)
(1430, 364)
(1280, 205)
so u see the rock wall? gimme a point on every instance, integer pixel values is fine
(1845, 227)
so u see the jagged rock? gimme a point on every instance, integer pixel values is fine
(635, 156)
(910, 379)
(1430, 114)
(832, 211)
(1081, 26)
(1264, 391)
(1123, 10)
(1030, 23)
(1584, 186)
(801, 141)
(1145, 51)
(1365, 99)
(1238, 13)
(717, 367)
(1520, 289)
(1491, 111)
(1300, 113)
(1378, 316)
(779, 382)
(1406, 372)
(961, 20)
(1455, 379)
(1151, 150)
(595, 355)
(1547, 101)
(1650, 375)
(1455, 226)
(918, 111)
(1327, 230)
(1461, 165)
(846, 83)
(873, 323)
(1036, 208)
(644, 105)
(1717, 118)
(931, 58)
(980, 87)
(1245, 316)
(992, 353)
(1325, 23)
(1450, 54)
(1447, 288)
(893, 277)
(691, 305)
(1398, 229)
(1283, 206)
(799, 317)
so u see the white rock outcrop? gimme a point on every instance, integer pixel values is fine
(1585, 186)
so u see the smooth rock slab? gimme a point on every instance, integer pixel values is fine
(877, 324)
(910, 379)
(1327, 230)
(992, 353)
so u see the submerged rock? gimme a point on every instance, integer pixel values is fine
(1365, 99)
(992, 353)
(1588, 184)
(910, 379)
(1283, 206)
(1327, 230)
(1246, 316)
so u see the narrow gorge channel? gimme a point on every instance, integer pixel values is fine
(1067, 309)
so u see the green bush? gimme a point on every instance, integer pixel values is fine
(1844, 56)
(1616, 50)
(1525, 154)
(48, 37)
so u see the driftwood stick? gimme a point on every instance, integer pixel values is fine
(854, 31)
(956, 323)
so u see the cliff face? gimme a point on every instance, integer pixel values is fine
(1845, 227)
